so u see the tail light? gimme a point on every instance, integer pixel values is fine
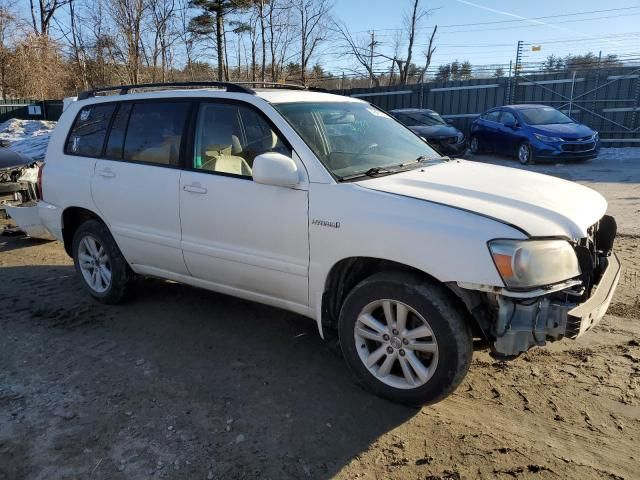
(40, 171)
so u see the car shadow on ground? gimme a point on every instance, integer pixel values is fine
(177, 377)
(16, 241)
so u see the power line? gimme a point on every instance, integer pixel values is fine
(514, 21)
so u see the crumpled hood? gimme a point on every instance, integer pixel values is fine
(541, 205)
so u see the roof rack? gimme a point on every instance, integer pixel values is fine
(285, 86)
(125, 89)
(237, 87)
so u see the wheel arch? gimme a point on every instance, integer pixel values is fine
(72, 218)
(345, 274)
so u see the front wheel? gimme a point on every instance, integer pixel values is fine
(525, 154)
(404, 339)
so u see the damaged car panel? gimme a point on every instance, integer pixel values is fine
(333, 210)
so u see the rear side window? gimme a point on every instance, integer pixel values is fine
(154, 132)
(115, 144)
(89, 131)
(493, 116)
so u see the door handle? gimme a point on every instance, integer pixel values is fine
(194, 188)
(106, 173)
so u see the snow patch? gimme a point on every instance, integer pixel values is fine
(28, 137)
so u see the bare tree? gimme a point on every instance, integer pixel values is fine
(127, 16)
(280, 35)
(412, 20)
(428, 53)
(162, 17)
(359, 49)
(313, 16)
(46, 9)
(8, 25)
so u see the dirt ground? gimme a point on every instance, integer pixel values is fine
(187, 384)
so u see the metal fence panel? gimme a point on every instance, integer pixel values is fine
(606, 99)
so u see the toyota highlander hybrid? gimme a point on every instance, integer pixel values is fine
(326, 206)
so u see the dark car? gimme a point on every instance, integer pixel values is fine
(445, 138)
(533, 132)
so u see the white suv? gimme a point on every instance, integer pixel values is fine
(326, 206)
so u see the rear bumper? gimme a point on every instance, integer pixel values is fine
(51, 218)
(28, 220)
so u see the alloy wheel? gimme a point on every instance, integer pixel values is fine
(396, 344)
(524, 153)
(474, 145)
(94, 264)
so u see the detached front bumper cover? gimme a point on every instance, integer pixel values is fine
(589, 313)
(522, 323)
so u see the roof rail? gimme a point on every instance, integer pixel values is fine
(292, 86)
(278, 85)
(125, 89)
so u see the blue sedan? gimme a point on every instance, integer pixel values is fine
(533, 132)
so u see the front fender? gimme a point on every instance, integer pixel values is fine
(449, 244)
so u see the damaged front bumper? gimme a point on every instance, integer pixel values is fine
(526, 322)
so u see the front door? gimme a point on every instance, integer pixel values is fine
(135, 187)
(238, 234)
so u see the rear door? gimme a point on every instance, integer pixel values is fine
(506, 138)
(489, 123)
(135, 185)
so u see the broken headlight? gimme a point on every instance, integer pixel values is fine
(534, 263)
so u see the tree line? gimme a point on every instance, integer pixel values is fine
(56, 48)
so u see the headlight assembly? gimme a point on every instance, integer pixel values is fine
(545, 139)
(534, 263)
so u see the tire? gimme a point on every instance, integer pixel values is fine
(524, 154)
(95, 250)
(474, 145)
(445, 356)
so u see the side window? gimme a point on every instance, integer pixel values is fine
(115, 144)
(154, 132)
(229, 137)
(493, 116)
(89, 130)
(508, 117)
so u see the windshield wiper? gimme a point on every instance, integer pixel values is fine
(372, 172)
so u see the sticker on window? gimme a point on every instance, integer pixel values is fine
(84, 114)
(75, 143)
(377, 113)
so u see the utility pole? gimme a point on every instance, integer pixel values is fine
(371, 45)
(516, 70)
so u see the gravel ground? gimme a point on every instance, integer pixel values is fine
(183, 383)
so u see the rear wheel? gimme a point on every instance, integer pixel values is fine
(474, 145)
(103, 270)
(404, 339)
(525, 154)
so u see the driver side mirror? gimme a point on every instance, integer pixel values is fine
(276, 169)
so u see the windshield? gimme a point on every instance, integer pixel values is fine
(428, 119)
(353, 138)
(544, 116)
